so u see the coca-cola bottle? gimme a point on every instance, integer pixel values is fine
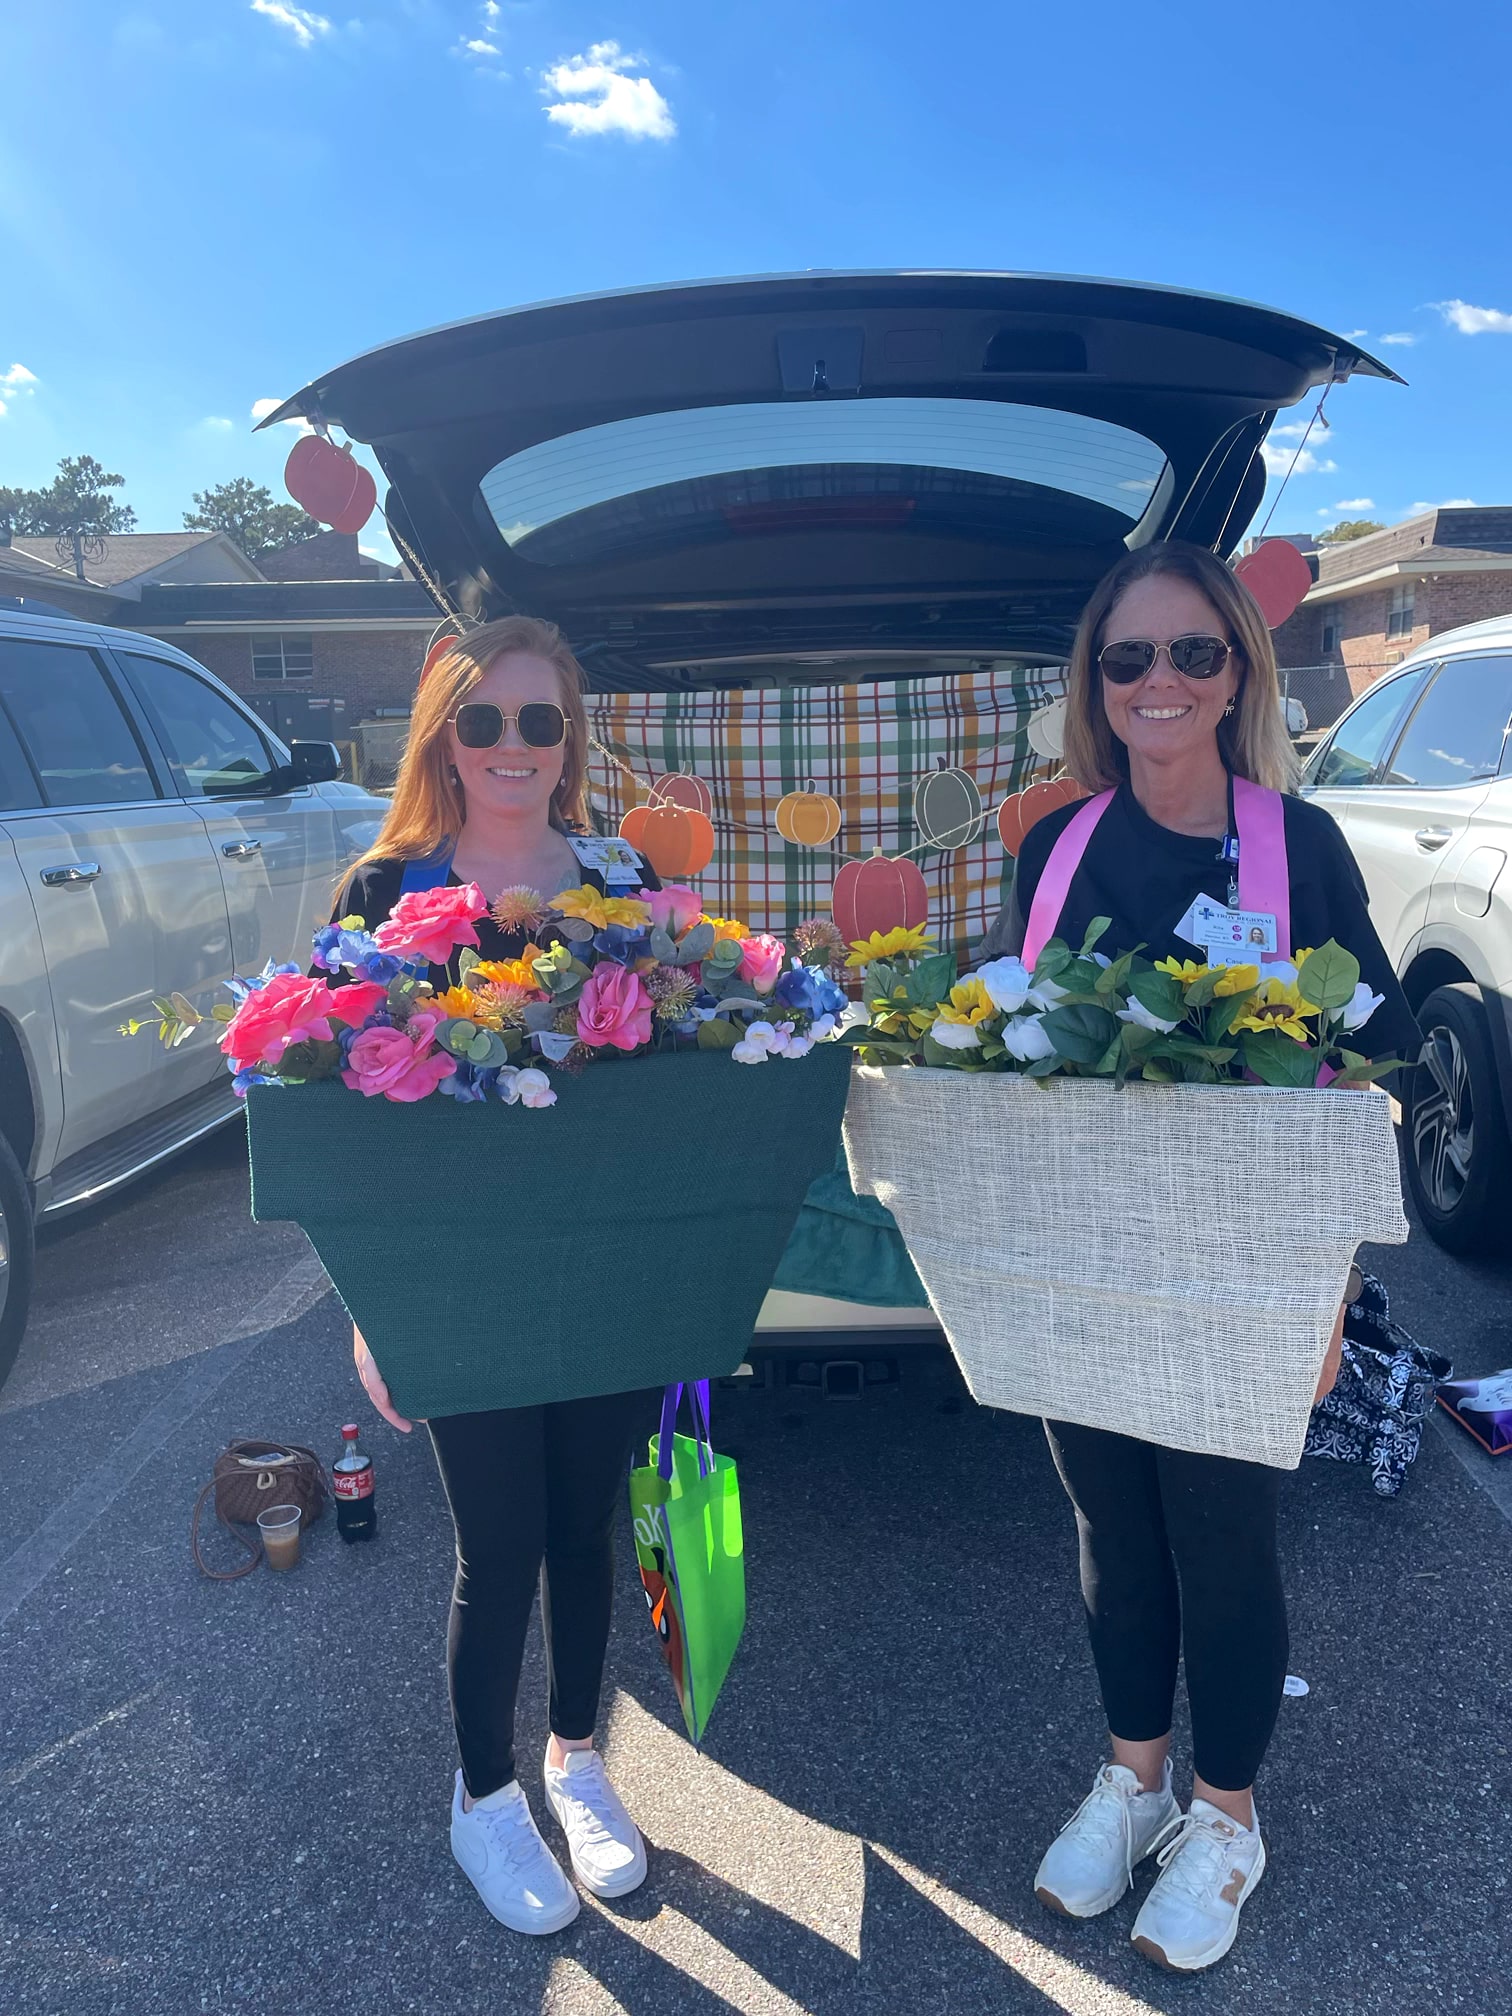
(352, 1481)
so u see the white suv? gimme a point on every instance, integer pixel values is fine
(153, 836)
(1419, 775)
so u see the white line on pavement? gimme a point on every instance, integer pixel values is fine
(55, 1750)
(33, 1561)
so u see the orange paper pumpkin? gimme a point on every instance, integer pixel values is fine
(675, 840)
(808, 818)
(330, 483)
(676, 787)
(947, 808)
(1018, 814)
(881, 894)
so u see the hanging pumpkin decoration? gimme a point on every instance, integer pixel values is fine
(675, 840)
(947, 808)
(677, 787)
(1025, 809)
(436, 653)
(808, 818)
(880, 894)
(330, 483)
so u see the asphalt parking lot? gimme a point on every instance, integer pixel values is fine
(217, 1796)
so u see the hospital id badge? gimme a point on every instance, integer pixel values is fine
(1233, 937)
(606, 854)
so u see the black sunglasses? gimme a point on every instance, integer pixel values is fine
(1132, 657)
(480, 725)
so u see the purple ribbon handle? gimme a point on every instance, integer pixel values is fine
(698, 1400)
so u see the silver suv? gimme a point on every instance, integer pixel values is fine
(153, 836)
(1419, 775)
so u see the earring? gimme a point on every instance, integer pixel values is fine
(456, 775)
(1226, 712)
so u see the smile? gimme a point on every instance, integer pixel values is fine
(1161, 713)
(510, 773)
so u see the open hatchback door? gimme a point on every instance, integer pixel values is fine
(827, 463)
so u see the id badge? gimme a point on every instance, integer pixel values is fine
(605, 853)
(1234, 937)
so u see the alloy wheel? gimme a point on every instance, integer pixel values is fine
(1443, 1122)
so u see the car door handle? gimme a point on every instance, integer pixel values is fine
(238, 850)
(1433, 837)
(69, 873)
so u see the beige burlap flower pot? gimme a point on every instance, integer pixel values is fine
(1165, 1261)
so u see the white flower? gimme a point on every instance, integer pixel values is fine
(1137, 1013)
(761, 1036)
(825, 1026)
(1279, 969)
(747, 1052)
(1101, 959)
(526, 1088)
(956, 1035)
(1047, 993)
(1024, 1038)
(1008, 984)
(798, 1046)
(1359, 1009)
(855, 1016)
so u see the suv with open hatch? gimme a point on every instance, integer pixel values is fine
(153, 836)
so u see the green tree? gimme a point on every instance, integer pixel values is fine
(76, 510)
(246, 513)
(1349, 528)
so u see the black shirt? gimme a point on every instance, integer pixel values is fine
(1144, 877)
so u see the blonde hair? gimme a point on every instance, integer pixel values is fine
(428, 806)
(1253, 741)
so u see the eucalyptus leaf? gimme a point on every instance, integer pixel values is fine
(663, 946)
(539, 1014)
(467, 958)
(223, 1011)
(575, 930)
(696, 944)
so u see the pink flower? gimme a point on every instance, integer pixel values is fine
(528, 1088)
(426, 926)
(401, 1064)
(761, 962)
(290, 1009)
(614, 1007)
(675, 909)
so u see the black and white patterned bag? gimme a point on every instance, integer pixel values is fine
(1383, 1394)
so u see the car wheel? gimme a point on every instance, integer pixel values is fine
(1459, 1159)
(17, 1255)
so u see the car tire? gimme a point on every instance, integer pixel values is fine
(1454, 1127)
(18, 1252)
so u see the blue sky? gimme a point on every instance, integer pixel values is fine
(205, 202)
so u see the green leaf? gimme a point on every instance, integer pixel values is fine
(223, 1011)
(164, 1008)
(717, 1035)
(1081, 1031)
(1329, 976)
(1053, 961)
(1278, 1060)
(696, 944)
(1107, 1065)
(1137, 1041)
(947, 1060)
(931, 980)
(881, 980)
(1114, 979)
(1043, 1067)
(1159, 994)
(1155, 1073)
(467, 958)
(1095, 930)
(1204, 991)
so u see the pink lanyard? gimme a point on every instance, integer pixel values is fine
(1264, 876)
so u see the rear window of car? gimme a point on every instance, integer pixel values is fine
(82, 747)
(962, 467)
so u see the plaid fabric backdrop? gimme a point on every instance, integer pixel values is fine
(864, 745)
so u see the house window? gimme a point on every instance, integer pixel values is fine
(282, 657)
(1330, 638)
(1399, 615)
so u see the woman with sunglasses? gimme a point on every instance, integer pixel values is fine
(1174, 710)
(492, 790)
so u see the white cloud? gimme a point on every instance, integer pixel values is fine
(481, 49)
(1402, 338)
(261, 408)
(492, 10)
(1355, 335)
(18, 379)
(214, 424)
(304, 26)
(1292, 431)
(1279, 461)
(1445, 504)
(1475, 321)
(1355, 504)
(597, 97)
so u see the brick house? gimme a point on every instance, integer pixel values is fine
(1377, 598)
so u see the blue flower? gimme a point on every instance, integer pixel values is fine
(810, 991)
(242, 1079)
(336, 947)
(379, 966)
(469, 1083)
(621, 943)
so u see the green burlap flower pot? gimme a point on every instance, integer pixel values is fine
(497, 1257)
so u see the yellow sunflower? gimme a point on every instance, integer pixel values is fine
(969, 1003)
(1237, 980)
(511, 972)
(600, 911)
(894, 1017)
(1184, 970)
(728, 927)
(1278, 1005)
(901, 942)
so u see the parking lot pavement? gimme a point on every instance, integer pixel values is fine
(236, 1795)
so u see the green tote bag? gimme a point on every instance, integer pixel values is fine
(685, 1504)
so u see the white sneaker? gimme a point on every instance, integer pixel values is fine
(1091, 1862)
(1207, 1869)
(607, 1850)
(509, 1865)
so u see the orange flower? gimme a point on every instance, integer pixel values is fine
(511, 972)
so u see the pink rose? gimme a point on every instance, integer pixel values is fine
(675, 909)
(290, 1009)
(428, 925)
(614, 1007)
(401, 1064)
(762, 959)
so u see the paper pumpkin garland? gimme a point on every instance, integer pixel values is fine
(1278, 577)
(879, 894)
(330, 483)
(808, 818)
(676, 840)
(947, 808)
(1025, 809)
(679, 787)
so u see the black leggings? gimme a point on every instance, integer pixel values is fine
(1145, 1517)
(533, 1493)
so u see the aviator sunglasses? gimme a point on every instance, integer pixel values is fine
(480, 724)
(1131, 658)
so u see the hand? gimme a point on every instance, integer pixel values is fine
(1331, 1363)
(373, 1386)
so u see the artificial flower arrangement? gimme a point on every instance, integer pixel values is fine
(626, 974)
(1083, 1014)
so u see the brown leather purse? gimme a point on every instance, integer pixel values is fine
(249, 1477)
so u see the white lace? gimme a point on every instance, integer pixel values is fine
(1102, 1816)
(512, 1832)
(1200, 1872)
(578, 1790)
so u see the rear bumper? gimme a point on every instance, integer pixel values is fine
(815, 1326)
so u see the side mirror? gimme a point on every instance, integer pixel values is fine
(313, 763)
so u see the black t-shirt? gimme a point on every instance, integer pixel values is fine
(1145, 877)
(373, 890)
